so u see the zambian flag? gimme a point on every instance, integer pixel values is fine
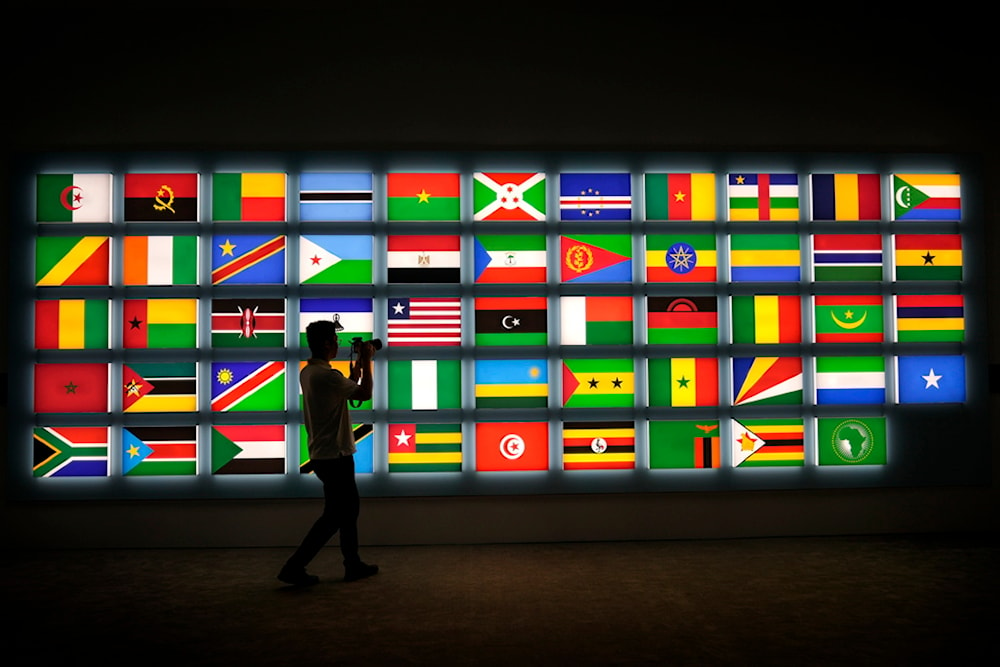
(424, 197)
(684, 444)
(425, 448)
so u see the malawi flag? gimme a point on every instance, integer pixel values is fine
(159, 387)
(353, 313)
(335, 197)
(424, 259)
(850, 380)
(248, 322)
(511, 320)
(425, 448)
(768, 443)
(72, 324)
(248, 197)
(934, 197)
(335, 260)
(930, 318)
(252, 449)
(511, 383)
(248, 386)
(159, 323)
(763, 197)
(506, 446)
(767, 319)
(607, 445)
(71, 388)
(595, 320)
(849, 441)
(518, 258)
(424, 197)
(598, 383)
(78, 261)
(684, 382)
(684, 444)
(680, 196)
(681, 320)
(159, 450)
(928, 256)
(161, 260)
(248, 260)
(70, 451)
(769, 258)
(847, 257)
(73, 198)
(596, 258)
(846, 196)
(688, 258)
(425, 384)
(161, 197)
(506, 196)
(767, 381)
(853, 318)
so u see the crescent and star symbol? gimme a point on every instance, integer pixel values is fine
(512, 446)
(849, 315)
(77, 198)
(901, 194)
(510, 322)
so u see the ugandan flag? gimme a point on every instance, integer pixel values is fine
(684, 444)
(159, 450)
(681, 320)
(248, 449)
(767, 381)
(598, 383)
(853, 318)
(684, 382)
(159, 323)
(508, 196)
(680, 196)
(423, 197)
(159, 387)
(931, 197)
(930, 318)
(513, 320)
(767, 319)
(78, 261)
(161, 197)
(248, 197)
(928, 256)
(607, 445)
(70, 451)
(425, 448)
(596, 258)
(688, 258)
(72, 324)
(768, 443)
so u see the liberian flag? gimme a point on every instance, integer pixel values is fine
(425, 321)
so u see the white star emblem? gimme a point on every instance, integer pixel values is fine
(932, 380)
(399, 308)
(402, 439)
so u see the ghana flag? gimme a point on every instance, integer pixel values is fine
(676, 258)
(73, 198)
(511, 383)
(928, 256)
(159, 387)
(767, 381)
(506, 196)
(851, 441)
(602, 445)
(70, 451)
(424, 197)
(159, 450)
(78, 261)
(595, 320)
(767, 319)
(248, 449)
(511, 320)
(930, 318)
(680, 196)
(933, 197)
(684, 382)
(855, 318)
(596, 258)
(159, 323)
(681, 320)
(425, 448)
(598, 383)
(161, 197)
(248, 197)
(684, 444)
(72, 324)
(768, 443)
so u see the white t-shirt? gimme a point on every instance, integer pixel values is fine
(325, 391)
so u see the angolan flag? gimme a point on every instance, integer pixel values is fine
(161, 197)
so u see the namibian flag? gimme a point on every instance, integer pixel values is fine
(598, 383)
(424, 197)
(161, 197)
(930, 318)
(248, 260)
(688, 258)
(248, 322)
(505, 446)
(511, 320)
(596, 258)
(605, 445)
(767, 381)
(595, 320)
(516, 258)
(678, 320)
(934, 197)
(78, 261)
(72, 324)
(684, 382)
(767, 319)
(680, 196)
(248, 197)
(251, 449)
(73, 198)
(850, 380)
(763, 197)
(70, 451)
(595, 196)
(765, 258)
(335, 260)
(928, 256)
(159, 323)
(159, 387)
(855, 318)
(335, 197)
(248, 386)
(846, 196)
(847, 257)
(425, 448)
(684, 444)
(768, 443)
(505, 196)
(159, 450)
(511, 383)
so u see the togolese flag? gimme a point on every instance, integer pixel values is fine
(511, 320)
(763, 197)
(159, 387)
(677, 320)
(850, 380)
(425, 448)
(851, 441)
(248, 386)
(161, 260)
(688, 258)
(848, 319)
(79, 261)
(161, 197)
(73, 198)
(72, 324)
(930, 318)
(424, 197)
(605, 445)
(767, 319)
(251, 449)
(846, 196)
(595, 320)
(596, 258)
(680, 196)
(511, 383)
(518, 258)
(684, 444)
(768, 442)
(933, 197)
(847, 257)
(684, 382)
(335, 197)
(504, 446)
(335, 260)
(928, 256)
(81, 387)
(424, 259)
(159, 323)
(598, 383)
(248, 260)
(160, 450)
(70, 451)
(425, 384)
(505, 196)
(248, 322)
(764, 258)
(248, 197)
(767, 381)
(353, 313)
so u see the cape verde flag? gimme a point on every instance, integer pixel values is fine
(595, 196)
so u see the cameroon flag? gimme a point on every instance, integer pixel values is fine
(680, 196)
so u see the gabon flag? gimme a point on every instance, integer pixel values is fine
(680, 196)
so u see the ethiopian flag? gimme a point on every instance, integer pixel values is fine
(676, 258)
(424, 197)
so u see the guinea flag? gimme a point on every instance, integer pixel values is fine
(73, 198)
(505, 196)
(71, 324)
(681, 258)
(684, 382)
(248, 197)
(680, 196)
(507, 446)
(684, 444)
(161, 197)
(424, 197)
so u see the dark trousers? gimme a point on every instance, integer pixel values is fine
(341, 505)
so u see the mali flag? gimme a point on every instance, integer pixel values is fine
(505, 446)
(687, 258)
(160, 323)
(598, 383)
(161, 260)
(595, 320)
(505, 196)
(681, 320)
(425, 384)
(159, 387)
(73, 198)
(161, 197)
(933, 197)
(159, 450)
(72, 324)
(767, 319)
(848, 319)
(248, 197)
(248, 449)
(925, 318)
(425, 448)
(928, 256)
(248, 386)
(511, 383)
(684, 382)
(763, 197)
(79, 261)
(607, 445)
(596, 258)
(518, 258)
(767, 380)
(680, 196)
(768, 443)
(846, 196)
(71, 388)
(684, 444)
(511, 320)
(851, 441)
(424, 197)
(248, 322)
(70, 451)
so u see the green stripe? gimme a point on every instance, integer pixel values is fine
(928, 273)
(932, 336)
(709, 335)
(664, 242)
(600, 365)
(95, 324)
(848, 273)
(49, 193)
(609, 333)
(743, 202)
(270, 397)
(511, 402)
(513, 242)
(172, 335)
(262, 340)
(226, 196)
(601, 401)
(185, 268)
(165, 467)
(849, 364)
(743, 319)
(764, 241)
(164, 370)
(347, 271)
(409, 208)
(425, 467)
(440, 428)
(772, 463)
(784, 202)
(826, 324)
(657, 197)
(49, 250)
(485, 339)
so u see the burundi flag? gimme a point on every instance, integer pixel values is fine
(70, 451)
(424, 197)
(248, 197)
(352, 313)
(850, 380)
(425, 384)
(684, 444)
(682, 320)
(851, 441)
(344, 367)
(343, 197)
(72, 324)
(933, 197)
(506, 446)
(159, 323)
(930, 379)
(596, 258)
(769, 258)
(763, 197)
(505, 196)
(598, 383)
(595, 196)
(603, 445)
(425, 448)
(928, 256)
(595, 320)
(364, 455)
(424, 259)
(161, 197)
(846, 196)
(81, 387)
(511, 383)
(248, 386)
(159, 450)
(248, 322)
(335, 260)
(930, 318)
(73, 198)
(684, 382)
(847, 257)
(767, 381)
(511, 320)
(422, 321)
(248, 260)
(160, 260)
(78, 261)
(681, 258)
(764, 319)
(768, 443)
(159, 387)
(848, 319)
(680, 196)
(251, 449)
(518, 258)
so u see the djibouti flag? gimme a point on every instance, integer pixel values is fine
(335, 260)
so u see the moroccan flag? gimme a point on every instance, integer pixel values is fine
(425, 448)
(598, 383)
(504, 196)
(79, 261)
(763, 197)
(847, 257)
(928, 256)
(684, 444)
(364, 454)
(248, 386)
(73, 198)
(680, 196)
(70, 451)
(159, 450)
(251, 449)
(335, 260)
(681, 258)
(850, 380)
(678, 320)
(425, 384)
(344, 366)
(767, 319)
(684, 382)
(846, 196)
(595, 320)
(161, 260)
(248, 260)
(424, 259)
(853, 318)
(248, 322)
(159, 323)
(767, 381)
(768, 443)
(595, 196)
(930, 318)
(605, 445)
(335, 197)
(72, 324)
(518, 258)
(505, 446)
(248, 197)
(421, 321)
(596, 258)
(159, 387)
(933, 197)
(424, 197)
(353, 313)
(851, 441)
(511, 320)
(930, 379)
(765, 258)
(71, 387)
(161, 197)
(511, 383)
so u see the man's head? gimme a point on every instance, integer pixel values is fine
(321, 336)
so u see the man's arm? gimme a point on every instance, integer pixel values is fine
(361, 372)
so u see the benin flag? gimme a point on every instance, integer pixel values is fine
(73, 198)
(70, 451)
(516, 258)
(511, 383)
(159, 387)
(933, 197)
(248, 197)
(596, 258)
(680, 320)
(251, 449)
(248, 386)
(161, 197)
(767, 318)
(681, 258)
(926, 318)
(335, 260)
(607, 445)
(684, 382)
(846, 196)
(767, 381)
(680, 196)
(851, 441)
(160, 450)
(161, 260)
(511, 320)
(248, 322)
(763, 197)
(159, 323)
(81, 261)
(768, 443)
(425, 447)
(505, 196)
(849, 319)
(503, 446)
(425, 384)
(595, 320)
(598, 383)
(684, 444)
(71, 388)
(424, 197)
(928, 256)
(72, 324)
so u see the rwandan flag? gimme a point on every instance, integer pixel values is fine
(511, 383)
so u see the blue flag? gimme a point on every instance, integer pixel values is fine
(595, 196)
(335, 197)
(931, 379)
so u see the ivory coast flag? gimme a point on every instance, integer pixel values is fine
(684, 382)
(73, 260)
(71, 324)
(680, 196)
(424, 197)
(73, 198)
(248, 197)
(161, 260)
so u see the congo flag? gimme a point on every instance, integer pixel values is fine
(78, 261)
(598, 383)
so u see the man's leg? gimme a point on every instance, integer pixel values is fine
(322, 530)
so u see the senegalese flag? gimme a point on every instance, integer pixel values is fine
(768, 443)
(160, 260)
(507, 446)
(248, 322)
(424, 197)
(424, 259)
(767, 318)
(250, 449)
(72, 324)
(846, 196)
(930, 318)
(70, 451)
(933, 197)
(425, 384)
(335, 197)
(335, 260)
(598, 383)
(516, 258)
(596, 258)
(159, 323)
(765, 258)
(159, 387)
(248, 386)
(681, 320)
(248, 260)
(73, 198)
(851, 441)
(599, 445)
(248, 197)
(79, 261)
(595, 320)
(763, 197)
(850, 380)
(159, 450)
(684, 382)
(930, 379)
(425, 448)
(76, 387)
(855, 318)
(595, 196)
(681, 258)
(767, 381)
(353, 313)
(680, 196)
(511, 320)
(928, 256)
(684, 444)
(847, 257)
(507, 196)
(511, 383)
(364, 455)
(161, 197)
(344, 367)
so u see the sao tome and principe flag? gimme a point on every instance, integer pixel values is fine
(335, 260)
(850, 380)
(675, 258)
(353, 313)
(511, 320)
(248, 449)
(73, 197)
(684, 444)
(248, 322)
(425, 448)
(422, 321)
(767, 380)
(70, 451)
(74, 387)
(161, 197)
(764, 258)
(846, 196)
(767, 442)
(930, 379)
(595, 320)
(424, 197)
(928, 256)
(851, 441)
(518, 258)
(931, 197)
(425, 384)
(335, 197)
(763, 197)
(684, 382)
(364, 455)
(248, 386)
(767, 318)
(508, 196)
(507, 446)
(159, 450)
(855, 318)
(681, 320)
(159, 323)
(159, 387)
(599, 445)
(72, 324)
(78, 261)
(160, 260)
(680, 196)
(424, 259)
(511, 383)
(847, 257)
(248, 197)
(595, 258)
(930, 318)
(598, 383)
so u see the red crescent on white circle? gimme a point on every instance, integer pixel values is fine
(64, 200)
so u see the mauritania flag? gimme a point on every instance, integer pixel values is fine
(159, 387)
(851, 441)
(595, 196)
(767, 381)
(768, 442)
(343, 366)
(248, 386)
(248, 260)
(159, 450)
(847, 257)
(72, 324)
(511, 383)
(684, 382)
(928, 256)
(424, 197)
(161, 197)
(364, 455)
(771, 258)
(684, 444)
(855, 318)
(73, 198)
(934, 197)
(674, 258)
(159, 323)
(596, 258)
(69, 388)
(505, 446)
(425, 447)
(518, 258)
(846, 196)
(79, 261)
(425, 384)
(420, 321)
(680, 320)
(248, 197)
(763, 197)
(335, 197)
(353, 313)
(506, 196)
(930, 318)
(248, 322)
(424, 259)
(680, 196)
(850, 380)
(930, 379)
(767, 319)
(511, 320)
(595, 320)
(598, 383)
(70, 451)
(250, 449)
(160, 260)
(335, 260)
(604, 445)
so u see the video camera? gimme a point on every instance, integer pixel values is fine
(357, 342)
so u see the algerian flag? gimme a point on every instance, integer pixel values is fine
(74, 197)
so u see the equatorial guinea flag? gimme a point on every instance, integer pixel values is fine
(424, 197)
(73, 198)
(509, 446)
(518, 258)
(680, 196)
(846, 196)
(161, 197)
(507, 196)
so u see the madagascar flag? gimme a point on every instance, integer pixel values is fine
(248, 197)
(596, 320)
(161, 197)
(684, 382)
(424, 197)
(680, 196)
(608, 445)
(928, 256)
(767, 318)
(160, 323)
(679, 320)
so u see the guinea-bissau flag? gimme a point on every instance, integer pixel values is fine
(599, 445)
(768, 443)
(512, 446)
(364, 455)
(684, 382)
(511, 320)
(160, 260)
(161, 197)
(598, 383)
(70, 451)
(855, 318)
(930, 318)
(596, 258)
(847, 257)
(77, 261)
(680, 196)
(511, 383)
(425, 448)
(160, 323)
(248, 449)
(423, 197)
(767, 318)
(159, 387)
(75, 387)
(767, 380)
(676, 258)
(684, 444)
(72, 324)
(425, 384)
(248, 197)
(73, 198)
(159, 450)
(928, 256)
(851, 441)
(508, 196)
(595, 320)
(846, 196)
(932, 197)
(248, 322)
(681, 320)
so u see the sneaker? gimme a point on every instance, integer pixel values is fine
(297, 577)
(359, 571)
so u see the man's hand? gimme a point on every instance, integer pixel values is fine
(366, 353)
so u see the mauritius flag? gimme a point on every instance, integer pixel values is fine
(248, 386)
(600, 445)
(425, 448)
(933, 197)
(680, 196)
(853, 318)
(506, 196)
(678, 320)
(517, 258)
(78, 261)
(767, 319)
(335, 260)
(512, 446)
(424, 197)
(768, 443)
(938, 318)
(596, 258)
(161, 197)
(72, 324)
(70, 451)
(73, 197)
(511, 320)
(684, 382)
(159, 450)
(595, 320)
(598, 383)
(846, 196)
(684, 444)
(767, 380)
(511, 383)
(248, 197)
(676, 258)
(160, 323)
(928, 256)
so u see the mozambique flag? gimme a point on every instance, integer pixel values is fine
(846, 196)
(680, 196)
(767, 318)
(364, 455)
(70, 451)
(248, 386)
(607, 445)
(847, 257)
(425, 384)
(248, 260)
(596, 258)
(511, 320)
(851, 441)
(680, 320)
(424, 259)
(161, 260)
(518, 258)
(928, 256)
(595, 196)
(848, 319)
(684, 382)
(159, 450)
(159, 387)
(248, 322)
(71, 387)
(511, 383)
(767, 381)
(598, 383)
(73, 198)
(930, 318)
(335, 260)
(248, 197)
(251, 449)
(768, 443)
(595, 320)
(763, 197)
(506, 446)
(688, 258)
(159, 323)
(769, 258)
(424, 197)
(505, 196)
(335, 197)
(161, 197)
(344, 367)
(850, 380)
(78, 261)
(684, 444)
(72, 324)
(425, 448)
(933, 197)
(353, 313)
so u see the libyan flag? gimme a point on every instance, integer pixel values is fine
(424, 197)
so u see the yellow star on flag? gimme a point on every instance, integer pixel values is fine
(227, 248)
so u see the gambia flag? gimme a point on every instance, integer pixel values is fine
(595, 320)
(930, 318)
(364, 455)
(512, 446)
(159, 450)
(516, 258)
(847, 257)
(159, 387)
(600, 445)
(511, 320)
(76, 387)
(684, 382)
(73, 197)
(755, 197)
(680, 196)
(932, 197)
(506, 196)
(684, 444)
(159, 323)
(850, 380)
(511, 383)
(425, 448)
(850, 441)
(248, 449)
(767, 381)
(928, 256)
(161, 197)
(353, 313)
(767, 319)
(681, 258)
(160, 260)
(248, 386)
(681, 320)
(598, 383)
(424, 197)
(248, 260)
(78, 261)
(248, 322)
(768, 443)
(846, 196)
(768, 258)
(70, 451)
(855, 318)
(596, 258)
(72, 324)
(248, 197)
(335, 260)
(425, 384)
(335, 197)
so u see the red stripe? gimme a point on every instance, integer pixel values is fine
(847, 242)
(661, 274)
(683, 320)
(134, 309)
(527, 274)
(418, 243)
(857, 300)
(609, 309)
(174, 450)
(146, 185)
(436, 185)
(849, 337)
(47, 325)
(248, 259)
(706, 382)
(764, 196)
(262, 208)
(509, 303)
(928, 242)
(869, 197)
(947, 300)
(601, 465)
(789, 319)
(679, 210)
(253, 432)
(940, 203)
